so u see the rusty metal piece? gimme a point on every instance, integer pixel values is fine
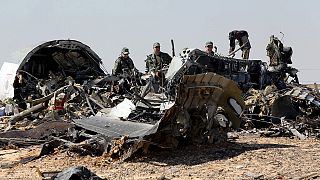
(26, 112)
(40, 132)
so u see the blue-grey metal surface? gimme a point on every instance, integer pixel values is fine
(114, 127)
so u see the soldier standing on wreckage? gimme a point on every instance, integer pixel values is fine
(244, 43)
(157, 60)
(209, 48)
(280, 57)
(155, 63)
(124, 64)
(124, 68)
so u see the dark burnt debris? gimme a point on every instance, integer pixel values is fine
(64, 98)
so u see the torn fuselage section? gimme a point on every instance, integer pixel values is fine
(48, 66)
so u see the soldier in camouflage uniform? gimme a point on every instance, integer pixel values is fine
(244, 43)
(123, 64)
(157, 60)
(209, 48)
(154, 64)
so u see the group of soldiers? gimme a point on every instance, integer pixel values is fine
(154, 62)
(158, 59)
(243, 40)
(242, 37)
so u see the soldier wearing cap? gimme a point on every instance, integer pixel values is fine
(157, 60)
(124, 63)
(209, 48)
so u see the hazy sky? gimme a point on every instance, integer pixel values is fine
(108, 25)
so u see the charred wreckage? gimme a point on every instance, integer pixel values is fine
(64, 98)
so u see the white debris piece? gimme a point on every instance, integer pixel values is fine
(7, 75)
(123, 109)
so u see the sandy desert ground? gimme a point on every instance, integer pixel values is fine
(247, 157)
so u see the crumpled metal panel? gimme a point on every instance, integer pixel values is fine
(283, 107)
(43, 130)
(177, 67)
(304, 94)
(211, 89)
(114, 127)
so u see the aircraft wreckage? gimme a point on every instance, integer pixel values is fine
(64, 98)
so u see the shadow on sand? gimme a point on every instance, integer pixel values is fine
(193, 155)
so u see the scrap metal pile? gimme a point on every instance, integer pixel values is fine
(282, 107)
(291, 111)
(64, 99)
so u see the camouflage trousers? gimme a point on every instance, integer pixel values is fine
(246, 48)
(245, 53)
